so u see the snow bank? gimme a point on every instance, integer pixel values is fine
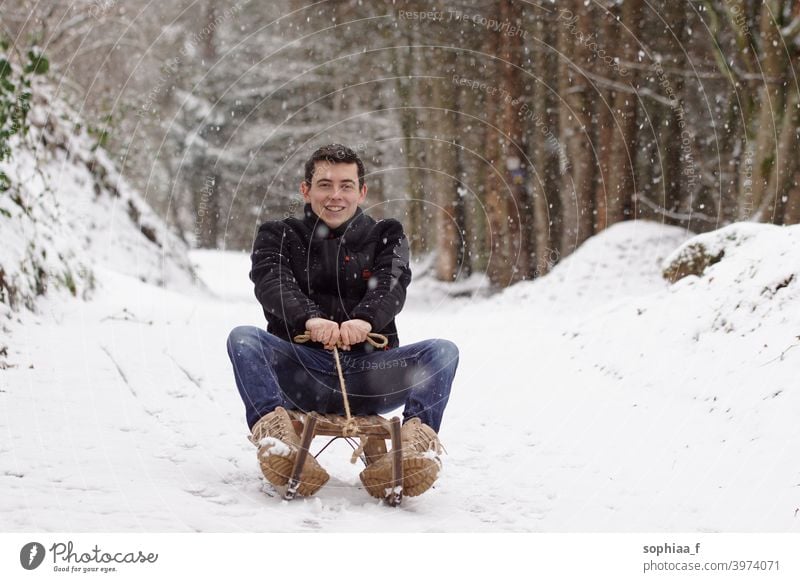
(732, 306)
(640, 404)
(69, 210)
(622, 261)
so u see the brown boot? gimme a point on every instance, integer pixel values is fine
(420, 452)
(278, 445)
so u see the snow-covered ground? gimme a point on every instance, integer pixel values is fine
(597, 398)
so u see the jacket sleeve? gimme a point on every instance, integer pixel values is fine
(275, 285)
(391, 275)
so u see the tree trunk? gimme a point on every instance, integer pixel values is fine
(448, 239)
(548, 155)
(207, 204)
(677, 138)
(576, 130)
(513, 155)
(499, 260)
(622, 180)
(770, 100)
(408, 126)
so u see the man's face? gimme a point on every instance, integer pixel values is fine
(334, 194)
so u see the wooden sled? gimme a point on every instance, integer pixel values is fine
(373, 432)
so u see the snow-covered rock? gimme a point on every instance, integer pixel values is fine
(744, 275)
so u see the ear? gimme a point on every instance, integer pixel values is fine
(304, 189)
(363, 194)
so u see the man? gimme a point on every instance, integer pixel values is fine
(337, 275)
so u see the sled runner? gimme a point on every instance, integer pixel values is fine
(373, 431)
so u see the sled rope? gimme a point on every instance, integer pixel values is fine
(350, 427)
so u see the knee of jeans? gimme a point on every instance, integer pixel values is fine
(243, 335)
(445, 350)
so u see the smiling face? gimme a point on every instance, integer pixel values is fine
(334, 193)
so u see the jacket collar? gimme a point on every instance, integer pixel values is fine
(320, 230)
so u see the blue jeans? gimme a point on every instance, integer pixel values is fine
(272, 372)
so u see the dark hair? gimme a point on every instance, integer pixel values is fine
(334, 153)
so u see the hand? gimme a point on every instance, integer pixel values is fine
(353, 332)
(324, 331)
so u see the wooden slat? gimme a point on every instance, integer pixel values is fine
(333, 425)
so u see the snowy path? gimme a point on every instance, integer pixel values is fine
(121, 415)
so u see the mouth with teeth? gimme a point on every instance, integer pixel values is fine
(334, 209)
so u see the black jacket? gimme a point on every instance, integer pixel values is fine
(303, 269)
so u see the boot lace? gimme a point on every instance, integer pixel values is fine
(274, 425)
(422, 438)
